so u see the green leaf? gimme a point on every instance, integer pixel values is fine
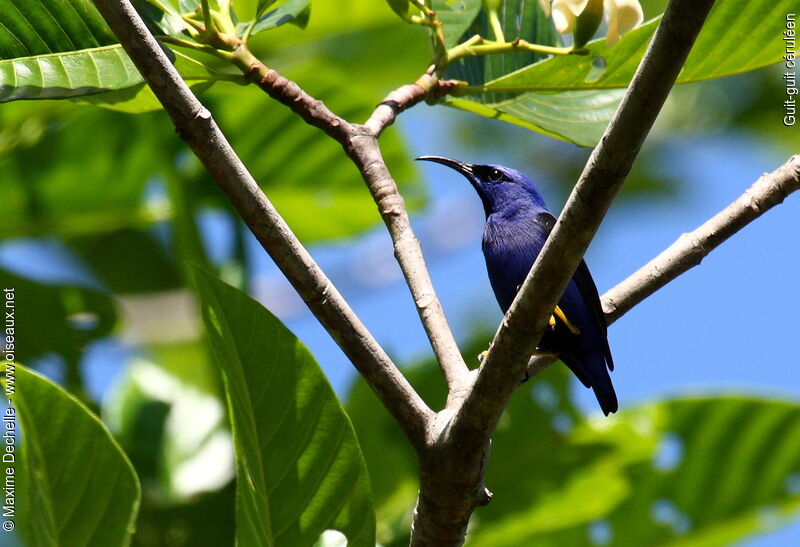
(579, 117)
(575, 117)
(67, 74)
(400, 7)
(728, 44)
(38, 27)
(674, 487)
(296, 12)
(456, 17)
(89, 72)
(523, 20)
(58, 48)
(53, 49)
(54, 183)
(75, 484)
(299, 466)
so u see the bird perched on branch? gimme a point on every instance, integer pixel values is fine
(517, 226)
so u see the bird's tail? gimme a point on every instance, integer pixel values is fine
(604, 391)
(592, 371)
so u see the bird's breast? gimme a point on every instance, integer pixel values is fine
(510, 248)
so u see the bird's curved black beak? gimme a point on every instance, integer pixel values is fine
(463, 168)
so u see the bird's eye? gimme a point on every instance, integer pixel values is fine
(495, 175)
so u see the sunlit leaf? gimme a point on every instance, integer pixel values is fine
(575, 116)
(676, 488)
(76, 486)
(299, 466)
(523, 20)
(456, 16)
(296, 12)
(728, 44)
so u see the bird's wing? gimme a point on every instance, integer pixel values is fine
(586, 286)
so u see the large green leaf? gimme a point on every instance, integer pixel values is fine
(54, 183)
(456, 16)
(702, 471)
(75, 484)
(57, 49)
(38, 27)
(729, 43)
(299, 466)
(68, 74)
(579, 117)
(519, 19)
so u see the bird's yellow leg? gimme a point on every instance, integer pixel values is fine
(561, 315)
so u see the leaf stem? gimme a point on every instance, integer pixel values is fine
(207, 20)
(497, 28)
(249, 30)
(431, 20)
(222, 54)
(478, 45)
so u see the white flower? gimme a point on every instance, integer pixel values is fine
(563, 17)
(620, 15)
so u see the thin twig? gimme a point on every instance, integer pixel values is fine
(690, 249)
(196, 126)
(360, 142)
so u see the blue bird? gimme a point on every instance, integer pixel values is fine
(517, 226)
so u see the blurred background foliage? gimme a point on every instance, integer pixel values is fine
(102, 210)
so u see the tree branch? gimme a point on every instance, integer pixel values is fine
(196, 126)
(360, 142)
(602, 177)
(690, 249)
(466, 437)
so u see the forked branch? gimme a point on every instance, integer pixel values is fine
(196, 126)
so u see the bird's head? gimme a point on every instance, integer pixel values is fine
(499, 187)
